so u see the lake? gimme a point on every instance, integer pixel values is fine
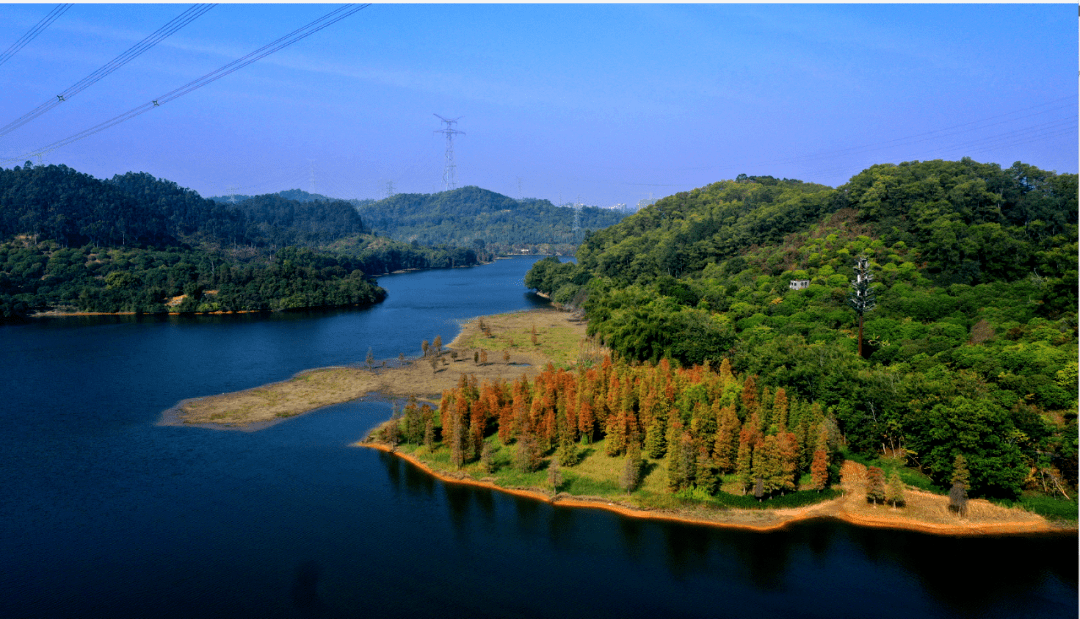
(106, 514)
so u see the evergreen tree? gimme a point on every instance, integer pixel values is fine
(486, 458)
(705, 476)
(631, 474)
(789, 460)
(875, 485)
(616, 434)
(458, 439)
(655, 442)
(894, 493)
(780, 410)
(958, 496)
(960, 474)
(744, 465)
(567, 453)
(527, 453)
(554, 476)
(429, 435)
(726, 445)
(819, 470)
(773, 465)
(676, 473)
(749, 397)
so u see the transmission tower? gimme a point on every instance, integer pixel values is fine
(312, 163)
(448, 173)
(390, 189)
(232, 191)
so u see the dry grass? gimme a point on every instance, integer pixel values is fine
(927, 510)
(560, 338)
(312, 389)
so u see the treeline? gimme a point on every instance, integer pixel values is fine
(45, 276)
(971, 348)
(74, 209)
(37, 276)
(707, 424)
(476, 217)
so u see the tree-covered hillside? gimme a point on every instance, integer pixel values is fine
(971, 348)
(477, 217)
(139, 244)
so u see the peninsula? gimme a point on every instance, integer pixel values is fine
(502, 349)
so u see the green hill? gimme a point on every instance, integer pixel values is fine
(971, 349)
(476, 217)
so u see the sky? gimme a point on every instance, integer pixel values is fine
(599, 104)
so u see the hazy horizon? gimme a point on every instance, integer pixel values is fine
(601, 104)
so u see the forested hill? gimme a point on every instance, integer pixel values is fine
(136, 243)
(289, 194)
(135, 209)
(971, 348)
(472, 216)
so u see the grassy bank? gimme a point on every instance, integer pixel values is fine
(595, 482)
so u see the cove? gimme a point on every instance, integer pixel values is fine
(106, 514)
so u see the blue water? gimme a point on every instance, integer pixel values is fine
(106, 514)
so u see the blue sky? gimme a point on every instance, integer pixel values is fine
(600, 103)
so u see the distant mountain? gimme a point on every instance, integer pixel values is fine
(298, 195)
(477, 217)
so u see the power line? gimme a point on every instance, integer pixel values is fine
(33, 32)
(300, 33)
(178, 22)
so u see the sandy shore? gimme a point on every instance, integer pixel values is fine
(928, 513)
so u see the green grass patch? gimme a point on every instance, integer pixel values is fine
(723, 500)
(598, 475)
(1049, 507)
(582, 485)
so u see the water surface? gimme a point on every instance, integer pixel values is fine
(106, 514)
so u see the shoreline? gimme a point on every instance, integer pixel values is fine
(781, 518)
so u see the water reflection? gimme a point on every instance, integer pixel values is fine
(393, 469)
(803, 567)
(417, 482)
(686, 548)
(458, 498)
(631, 530)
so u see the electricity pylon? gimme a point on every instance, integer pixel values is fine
(448, 172)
